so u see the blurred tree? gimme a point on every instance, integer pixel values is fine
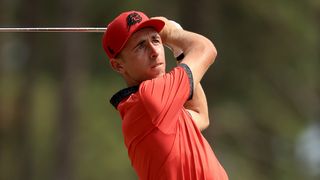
(263, 73)
(19, 136)
(74, 69)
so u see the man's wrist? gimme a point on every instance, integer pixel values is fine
(177, 52)
(177, 25)
(180, 57)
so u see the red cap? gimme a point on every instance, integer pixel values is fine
(122, 27)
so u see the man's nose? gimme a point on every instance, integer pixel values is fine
(153, 50)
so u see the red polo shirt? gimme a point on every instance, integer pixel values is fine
(162, 140)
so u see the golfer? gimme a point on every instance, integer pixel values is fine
(162, 112)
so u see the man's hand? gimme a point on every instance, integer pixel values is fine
(171, 28)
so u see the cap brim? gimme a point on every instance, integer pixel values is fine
(157, 24)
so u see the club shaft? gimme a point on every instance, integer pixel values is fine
(55, 29)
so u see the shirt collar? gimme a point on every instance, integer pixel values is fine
(123, 94)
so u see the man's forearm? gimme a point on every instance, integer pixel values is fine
(199, 51)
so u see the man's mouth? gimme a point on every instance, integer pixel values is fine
(156, 65)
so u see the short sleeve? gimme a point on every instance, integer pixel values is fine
(190, 77)
(165, 96)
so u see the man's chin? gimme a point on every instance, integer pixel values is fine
(155, 75)
(159, 73)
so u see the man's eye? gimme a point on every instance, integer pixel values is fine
(141, 46)
(156, 41)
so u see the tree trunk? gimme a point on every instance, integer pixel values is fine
(23, 102)
(73, 64)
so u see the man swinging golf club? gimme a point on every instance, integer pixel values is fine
(162, 113)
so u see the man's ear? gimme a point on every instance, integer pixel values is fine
(117, 65)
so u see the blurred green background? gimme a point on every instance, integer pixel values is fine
(56, 122)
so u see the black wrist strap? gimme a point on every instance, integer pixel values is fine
(180, 57)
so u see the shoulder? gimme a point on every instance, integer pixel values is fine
(158, 88)
(175, 77)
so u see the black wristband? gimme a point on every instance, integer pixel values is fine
(180, 57)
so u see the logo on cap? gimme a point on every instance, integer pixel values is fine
(110, 50)
(132, 19)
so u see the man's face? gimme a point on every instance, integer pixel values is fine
(142, 57)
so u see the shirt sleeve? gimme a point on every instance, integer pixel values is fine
(165, 96)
